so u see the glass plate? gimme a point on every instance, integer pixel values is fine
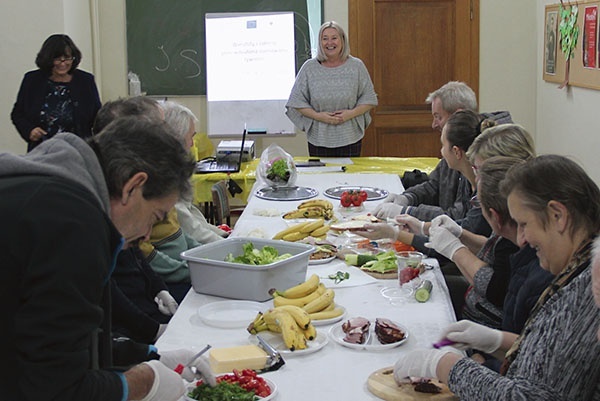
(337, 334)
(276, 341)
(286, 193)
(229, 314)
(372, 193)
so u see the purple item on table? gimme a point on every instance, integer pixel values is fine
(443, 343)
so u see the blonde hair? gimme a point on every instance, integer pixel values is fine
(345, 45)
(502, 140)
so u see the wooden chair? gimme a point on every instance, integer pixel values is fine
(221, 211)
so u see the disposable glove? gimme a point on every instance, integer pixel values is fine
(443, 241)
(449, 224)
(166, 303)
(398, 199)
(414, 225)
(182, 357)
(378, 231)
(418, 363)
(167, 385)
(385, 210)
(468, 334)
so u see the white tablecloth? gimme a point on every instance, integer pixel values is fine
(334, 372)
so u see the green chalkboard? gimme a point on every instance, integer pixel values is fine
(165, 40)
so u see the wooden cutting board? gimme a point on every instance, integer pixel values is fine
(382, 384)
(383, 276)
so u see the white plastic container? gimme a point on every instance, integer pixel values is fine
(212, 275)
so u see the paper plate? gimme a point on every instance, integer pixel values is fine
(372, 344)
(229, 314)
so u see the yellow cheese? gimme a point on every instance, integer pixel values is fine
(223, 360)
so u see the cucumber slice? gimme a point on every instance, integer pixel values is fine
(423, 291)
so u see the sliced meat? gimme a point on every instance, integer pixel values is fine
(356, 329)
(388, 332)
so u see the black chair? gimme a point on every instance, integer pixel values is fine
(221, 210)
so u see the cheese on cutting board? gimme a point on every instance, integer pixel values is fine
(224, 360)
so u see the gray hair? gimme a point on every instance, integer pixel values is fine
(345, 45)
(122, 107)
(178, 117)
(502, 140)
(130, 145)
(454, 95)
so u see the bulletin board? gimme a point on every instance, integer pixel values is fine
(166, 44)
(584, 66)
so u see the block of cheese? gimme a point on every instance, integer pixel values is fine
(223, 360)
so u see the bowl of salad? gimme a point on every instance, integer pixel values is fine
(244, 385)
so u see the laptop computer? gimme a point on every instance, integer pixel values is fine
(221, 166)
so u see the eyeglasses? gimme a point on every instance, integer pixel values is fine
(59, 60)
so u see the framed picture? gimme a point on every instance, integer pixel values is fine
(550, 42)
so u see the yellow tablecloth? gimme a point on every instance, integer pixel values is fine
(246, 177)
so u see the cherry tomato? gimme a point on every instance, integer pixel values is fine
(363, 195)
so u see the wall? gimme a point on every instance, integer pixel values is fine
(562, 121)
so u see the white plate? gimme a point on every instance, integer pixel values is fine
(229, 314)
(271, 385)
(337, 334)
(321, 261)
(276, 341)
(325, 322)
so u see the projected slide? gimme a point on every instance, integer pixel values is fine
(249, 56)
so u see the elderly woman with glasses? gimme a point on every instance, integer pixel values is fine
(57, 97)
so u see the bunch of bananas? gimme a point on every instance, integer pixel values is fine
(312, 296)
(317, 229)
(291, 321)
(313, 208)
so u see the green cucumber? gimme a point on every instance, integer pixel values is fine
(359, 260)
(423, 291)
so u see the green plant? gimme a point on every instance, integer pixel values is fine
(568, 30)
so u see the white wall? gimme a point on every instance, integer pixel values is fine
(511, 33)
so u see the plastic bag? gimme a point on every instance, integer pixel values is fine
(276, 167)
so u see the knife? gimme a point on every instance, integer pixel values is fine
(274, 358)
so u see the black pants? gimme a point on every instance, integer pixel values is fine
(352, 150)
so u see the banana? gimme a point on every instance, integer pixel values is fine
(326, 314)
(320, 303)
(257, 325)
(300, 315)
(291, 229)
(309, 212)
(293, 337)
(324, 203)
(312, 226)
(295, 236)
(310, 333)
(279, 300)
(320, 231)
(329, 308)
(303, 289)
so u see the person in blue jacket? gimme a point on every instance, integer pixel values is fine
(57, 97)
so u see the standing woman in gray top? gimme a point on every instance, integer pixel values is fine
(332, 96)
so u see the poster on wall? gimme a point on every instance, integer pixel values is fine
(550, 42)
(590, 37)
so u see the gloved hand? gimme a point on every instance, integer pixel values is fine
(449, 224)
(378, 231)
(166, 303)
(418, 363)
(468, 334)
(182, 357)
(443, 242)
(414, 225)
(167, 385)
(398, 199)
(385, 210)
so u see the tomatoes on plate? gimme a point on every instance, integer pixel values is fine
(353, 198)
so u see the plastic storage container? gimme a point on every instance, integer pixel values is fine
(211, 275)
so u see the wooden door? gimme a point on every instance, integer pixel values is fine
(411, 48)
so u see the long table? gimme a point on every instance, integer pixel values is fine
(334, 372)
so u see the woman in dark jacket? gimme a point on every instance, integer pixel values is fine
(57, 97)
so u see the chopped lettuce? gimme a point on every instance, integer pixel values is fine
(254, 256)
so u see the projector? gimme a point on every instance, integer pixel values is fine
(230, 151)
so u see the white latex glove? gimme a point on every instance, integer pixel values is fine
(182, 357)
(166, 303)
(398, 199)
(167, 385)
(378, 231)
(443, 241)
(468, 334)
(449, 224)
(418, 363)
(385, 210)
(414, 225)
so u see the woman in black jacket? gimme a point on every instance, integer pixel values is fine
(57, 97)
